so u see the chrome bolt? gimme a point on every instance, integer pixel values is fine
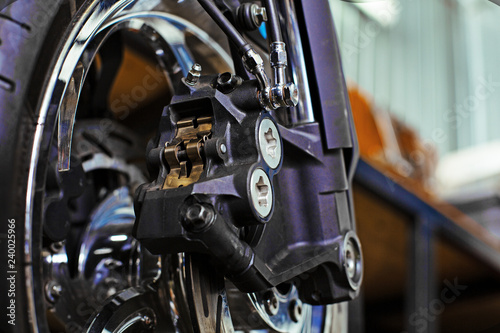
(291, 94)
(194, 74)
(53, 290)
(198, 217)
(271, 303)
(148, 322)
(259, 14)
(295, 310)
(223, 148)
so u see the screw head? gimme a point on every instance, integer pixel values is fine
(198, 217)
(194, 74)
(270, 143)
(271, 303)
(261, 193)
(223, 148)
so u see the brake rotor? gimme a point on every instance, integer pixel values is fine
(206, 297)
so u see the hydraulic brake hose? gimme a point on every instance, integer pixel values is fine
(226, 26)
(273, 22)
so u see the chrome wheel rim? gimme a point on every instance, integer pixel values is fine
(96, 23)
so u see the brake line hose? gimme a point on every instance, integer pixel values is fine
(226, 26)
(282, 94)
(273, 22)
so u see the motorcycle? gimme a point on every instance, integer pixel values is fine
(196, 196)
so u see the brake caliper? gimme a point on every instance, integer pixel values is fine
(221, 187)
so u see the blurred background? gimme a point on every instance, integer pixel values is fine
(424, 84)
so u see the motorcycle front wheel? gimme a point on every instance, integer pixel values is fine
(69, 262)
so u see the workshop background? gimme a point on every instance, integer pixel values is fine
(424, 84)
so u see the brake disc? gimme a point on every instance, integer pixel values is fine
(206, 296)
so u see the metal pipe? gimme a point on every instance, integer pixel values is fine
(302, 113)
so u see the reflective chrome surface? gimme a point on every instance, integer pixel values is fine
(69, 71)
(303, 112)
(251, 311)
(163, 31)
(110, 258)
(91, 29)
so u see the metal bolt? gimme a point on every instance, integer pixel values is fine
(223, 148)
(199, 217)
(148, 322)
(194, 74)
(53, 290)
(291, 94)
(350, 263)
(259, 14)
(271, 303)
(295, 310)
(353, 264)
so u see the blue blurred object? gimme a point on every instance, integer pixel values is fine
(263, 31)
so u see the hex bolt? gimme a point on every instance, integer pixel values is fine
(259, 14)
(199, 217)
(270, 143)
(194, 74)
(53, 290)
(295, 310)
(271, 303)
(291, 94)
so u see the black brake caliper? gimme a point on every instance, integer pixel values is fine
(216, 190)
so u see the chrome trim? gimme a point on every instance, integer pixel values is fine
(90, 19)
(303, 112)
(171, 30)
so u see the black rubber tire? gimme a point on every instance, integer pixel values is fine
(31, 34)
